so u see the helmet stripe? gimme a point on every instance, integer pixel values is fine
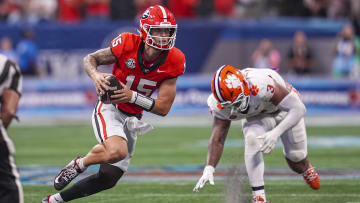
(164, 13)
(217, 84)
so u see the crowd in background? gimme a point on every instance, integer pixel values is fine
(74, 11)
(299, 57)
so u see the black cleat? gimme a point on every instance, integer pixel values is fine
(67, 174)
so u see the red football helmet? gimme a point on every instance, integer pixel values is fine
(156, 17)
(230, 88)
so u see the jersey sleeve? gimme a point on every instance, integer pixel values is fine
(214, 108)
(12, 77)
(266, 87)
(123, 42)
(178, 63)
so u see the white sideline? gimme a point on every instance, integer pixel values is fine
(182, 120)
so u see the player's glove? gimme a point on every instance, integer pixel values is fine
(208, 176)
(269, 141)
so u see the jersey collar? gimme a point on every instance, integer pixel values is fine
(155, 65)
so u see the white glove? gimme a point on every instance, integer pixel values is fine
(269, 141)
(208, 176)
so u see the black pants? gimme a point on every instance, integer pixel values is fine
(10, 186)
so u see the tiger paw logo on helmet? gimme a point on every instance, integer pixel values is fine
(254, 90)
(232, 81)
(229, 88)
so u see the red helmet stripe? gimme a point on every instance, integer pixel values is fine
(164, 13)
(217, 84)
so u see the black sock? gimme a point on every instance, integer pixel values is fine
(258, 188)
(106, 178)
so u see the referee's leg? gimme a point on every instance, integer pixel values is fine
(10, 186)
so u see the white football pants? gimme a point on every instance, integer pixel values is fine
(108, 121)
(294, 143)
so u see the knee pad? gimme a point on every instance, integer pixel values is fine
(296, 156)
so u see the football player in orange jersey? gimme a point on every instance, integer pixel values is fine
(270, 109)
(142, 63)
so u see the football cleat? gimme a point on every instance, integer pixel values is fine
(259, 199)
(46, 199)
(311, 177)
(67, 174)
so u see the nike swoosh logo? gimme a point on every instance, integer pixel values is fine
(160, 71)
(56, 199)
(57, 179)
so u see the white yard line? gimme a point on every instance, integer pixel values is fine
(184, 120)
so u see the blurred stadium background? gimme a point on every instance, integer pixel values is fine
(49, 38)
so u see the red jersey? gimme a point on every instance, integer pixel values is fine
(130, 68)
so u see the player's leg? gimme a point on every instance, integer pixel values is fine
(111, 151)
(106, 178)
(10, 186)
(108, 128)
(295, 151)
(113, 171)
(254, 161)
(110, 173)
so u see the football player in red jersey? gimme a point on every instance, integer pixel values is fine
(142, 63)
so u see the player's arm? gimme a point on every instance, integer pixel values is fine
(219, 132)
(290, 102)
(165, 98)
(287, 101)
(95, 59)
(9, 105)
(216, 146)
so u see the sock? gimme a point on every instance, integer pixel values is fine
(80, 163)
(259, 191)
(106, 178)
(56, 198)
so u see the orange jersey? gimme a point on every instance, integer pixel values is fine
(129, 69)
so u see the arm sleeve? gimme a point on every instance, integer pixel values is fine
(296, 111)
(178, 62)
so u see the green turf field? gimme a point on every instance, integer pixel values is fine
(185, 145)
(332, 191)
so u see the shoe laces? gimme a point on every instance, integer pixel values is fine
(69, 174)
(310, 174)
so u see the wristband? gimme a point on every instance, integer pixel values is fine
(133, 97)
(147, 103)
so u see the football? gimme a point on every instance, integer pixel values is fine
(114, 85)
